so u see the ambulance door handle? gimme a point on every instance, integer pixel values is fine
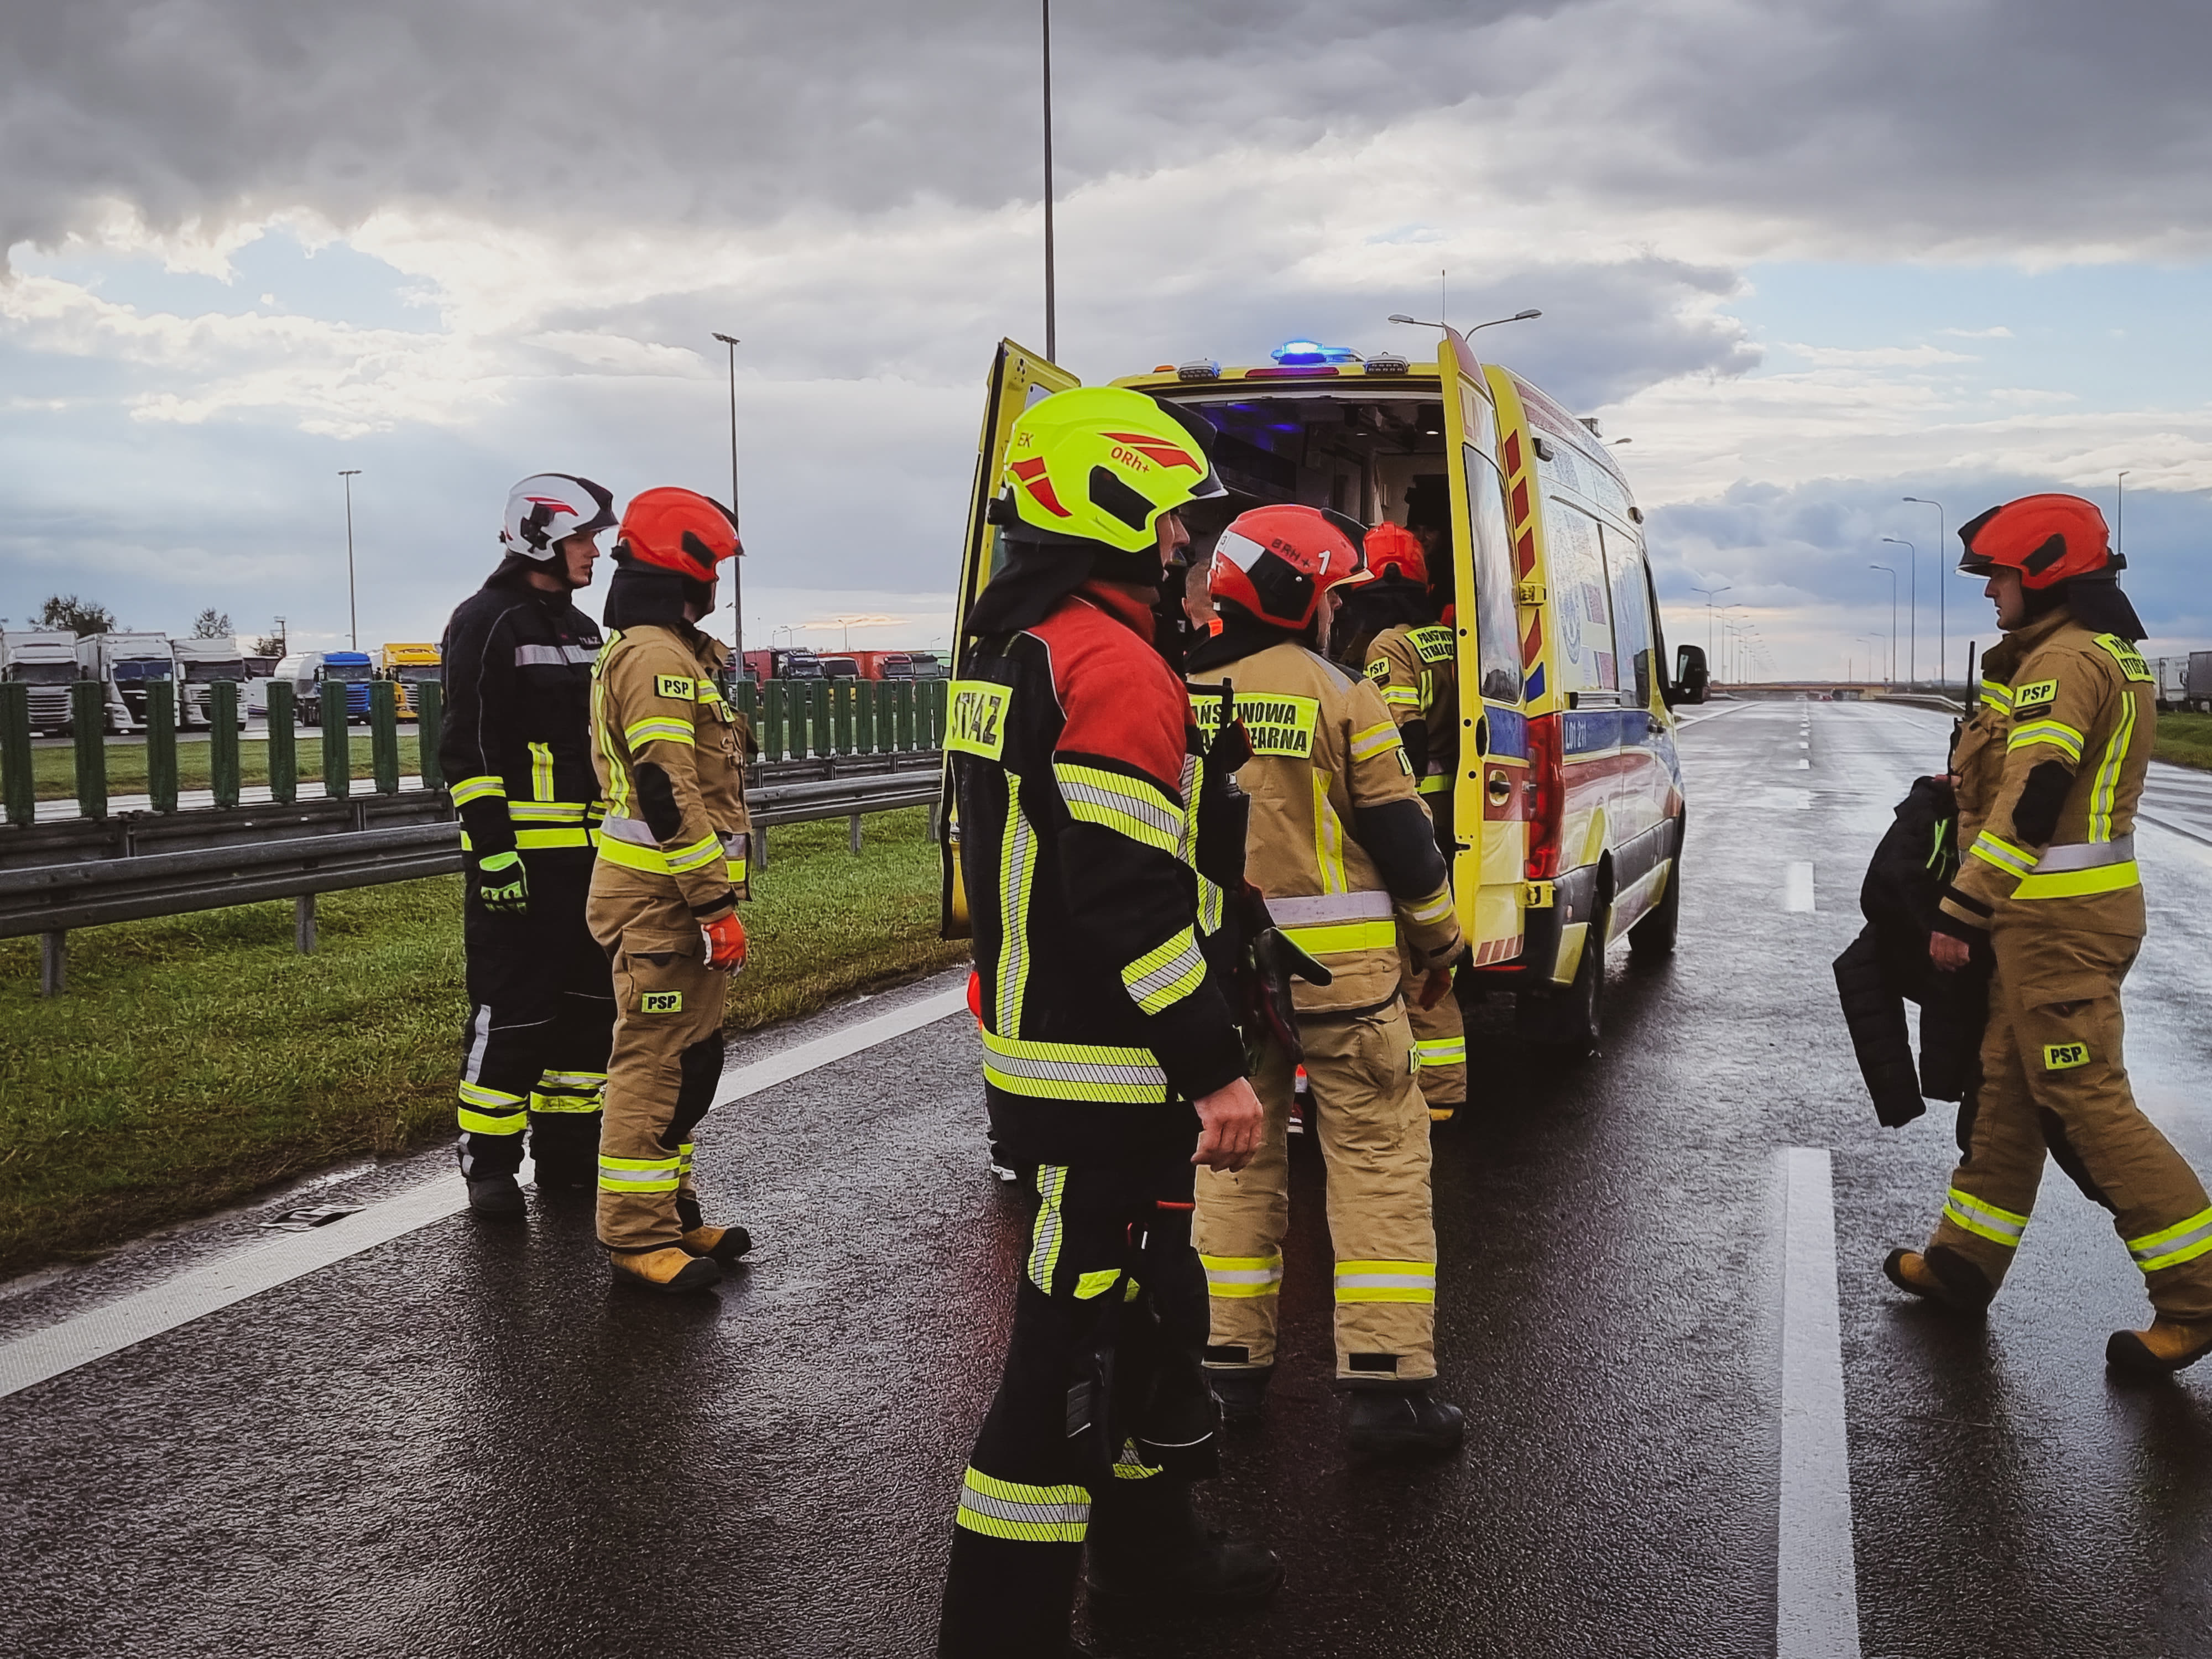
(1499, 789)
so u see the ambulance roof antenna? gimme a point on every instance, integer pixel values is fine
(1051, 302)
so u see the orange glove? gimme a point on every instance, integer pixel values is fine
(725, 942)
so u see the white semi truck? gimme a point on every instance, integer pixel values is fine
(44, 658)
(200, 663)
(126, 664)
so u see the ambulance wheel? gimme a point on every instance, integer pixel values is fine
(1567, 1022)
(1654, 937)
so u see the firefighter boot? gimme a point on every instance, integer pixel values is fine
(720, 1245)
(1148, 1545)
(497, 1198)
(1942, 1276)
(667, 1269)
(1389, 1422)
(2168, 1347)
(1240, 1394)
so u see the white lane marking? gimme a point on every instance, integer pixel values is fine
(1797, 886)
(1804, 765)
(1801, 744)
(1687, 720)
(1817, 1600)
(120, 1324)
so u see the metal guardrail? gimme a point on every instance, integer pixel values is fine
(249, 866)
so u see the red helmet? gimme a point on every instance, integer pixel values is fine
(1277, 562)
(2049, 539)
(1393, 549)
(679, 530)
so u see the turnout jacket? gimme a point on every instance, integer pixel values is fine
(670, 756)
(1416, 668)
(2052, 811)
(1078, 792)
(1340, 842)
(516, 666)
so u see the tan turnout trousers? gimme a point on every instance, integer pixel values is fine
(1439, 1043)
(1374, 1132)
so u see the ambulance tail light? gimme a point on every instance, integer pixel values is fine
(1548, 804)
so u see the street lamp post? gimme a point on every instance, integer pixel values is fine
(1518, 317)
(736, 586)
(1912, 611)
(1709, 593)
(353, 612)
(2120, 518)
(1942, 632)
(1051, 297)
(1893, 618)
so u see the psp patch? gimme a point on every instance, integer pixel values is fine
(2064, 1056)
(2034, 694)
(673, 685)
(660, 1002)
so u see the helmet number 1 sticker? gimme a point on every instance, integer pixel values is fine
(975, 719)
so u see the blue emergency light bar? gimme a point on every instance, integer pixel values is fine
(1303, 352)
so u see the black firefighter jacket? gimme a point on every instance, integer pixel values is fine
(1887, 965)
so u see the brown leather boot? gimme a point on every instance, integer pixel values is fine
(666, 1269)
(2167, 1347)
(720, 1245)
(1943, 1276)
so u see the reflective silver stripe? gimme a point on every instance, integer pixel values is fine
(664, 1172)
(554, 656)
(546, 811)
(1061, 1515)
(479, 1039)
(2086, 854)
(1272, 1275)
(1330, 907)
(633, 830)
(1426, 1281)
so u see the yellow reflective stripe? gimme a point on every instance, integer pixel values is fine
(566, 1103)
(2080, 883)
(483, 789)
(541, 771)
(1375, 740)
(1074, 1071)
(1995, 849)
(1024, 1513)
(1328, 838)
(1210, 907)
(1130, 1465)
(1239, 1277)
(655, 862)
(1400, 697)
(659, 729)
(1097, 1283)
(1996, 695)
(2108, 772)
(1435, 908)
(1165, 975)
(572, 1080)
(638, 1175)
(1436, 783)
(1344, 936)
(2183, 1241)
(617, 770)
(540, 841)
(1983, 1220)
(1441, 1051)
(2056, 733)
(691, 857)
(1017, 875)
(548, 811)
(1051, 1227)
(1120, 803)
(498, 1100)
(1386, 1281)
(483, 1123)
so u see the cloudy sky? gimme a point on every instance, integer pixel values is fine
(1811, 257)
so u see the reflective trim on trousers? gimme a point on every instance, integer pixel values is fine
(1240, 1277)
(2183, 1242)
(1386, 1281)
(484, 1123)
(1983, 1220)
(1051, 1227)
(638, 1175)
(1024, 1513)
(1130, 1465)
(1074, 1071)
(1441, 1051)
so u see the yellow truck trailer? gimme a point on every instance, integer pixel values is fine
(407, 666)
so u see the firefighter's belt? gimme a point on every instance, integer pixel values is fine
(1329, 922)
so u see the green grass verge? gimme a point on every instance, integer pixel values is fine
(197, 1059)
(53, 771)
(2186, 740)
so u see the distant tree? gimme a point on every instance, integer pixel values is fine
(82, 617)
(267, 645)
(211, 624)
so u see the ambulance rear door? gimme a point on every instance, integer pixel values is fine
(1489, 798)
(1019, 378)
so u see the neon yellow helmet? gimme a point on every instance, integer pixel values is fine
(1101, 464)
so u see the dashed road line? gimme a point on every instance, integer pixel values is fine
(131, 1320)
(1797, 886)
(1816, 1600)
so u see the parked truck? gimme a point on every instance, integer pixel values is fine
(200, 663)
(44, 658)
(783, 664)
(2198, 697)
(898, 664)
(408, 667)
(317, 677)
(127, 666)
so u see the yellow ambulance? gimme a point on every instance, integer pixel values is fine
(1568, 802)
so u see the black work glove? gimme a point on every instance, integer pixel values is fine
(501, 883)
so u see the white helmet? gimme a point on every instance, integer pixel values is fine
(547, 508)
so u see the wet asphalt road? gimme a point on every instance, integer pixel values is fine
(464, 1442)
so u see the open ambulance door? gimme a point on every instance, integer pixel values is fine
(1489, 796)
(1019, 377)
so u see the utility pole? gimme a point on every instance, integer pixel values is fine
(1892, 575)
(1942, 632)
(737, 585)
(2120, 518)
(353, 612)
(1709, 593)
(1051, 296)
(1913, 614)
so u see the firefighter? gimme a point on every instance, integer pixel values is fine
(1414, 662)
(516, 665)
(1347, 857)
(2049, 883)
(671, 868)
(1111, 1060)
